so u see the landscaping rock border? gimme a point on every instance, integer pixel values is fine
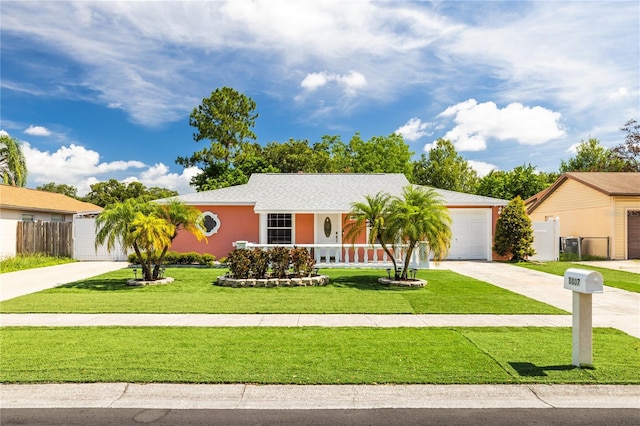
(413, 282)
(315, 280)
(140, 282)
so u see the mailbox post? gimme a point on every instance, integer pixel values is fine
(583, 283)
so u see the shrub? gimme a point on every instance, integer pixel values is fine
(302, 261)
(280, 260)
(514, 234)
(240, 263)
(207, 258)
(259, 262)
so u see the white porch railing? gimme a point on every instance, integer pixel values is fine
(349, 255)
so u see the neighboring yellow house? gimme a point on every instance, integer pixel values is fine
(603, 209)
(30, 205)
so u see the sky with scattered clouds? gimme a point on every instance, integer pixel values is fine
(102, 89)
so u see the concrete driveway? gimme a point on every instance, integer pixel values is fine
(19, 283)
(614, 308)
(618, 265)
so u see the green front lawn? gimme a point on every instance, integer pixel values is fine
(31, 261)
(618, 279)
(350, 291)
(311, 355)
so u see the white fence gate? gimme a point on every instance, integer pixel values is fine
(546, 240)
(84, 237)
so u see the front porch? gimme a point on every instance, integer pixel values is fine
(349, 255)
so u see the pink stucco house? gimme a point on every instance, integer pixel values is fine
(309, 210)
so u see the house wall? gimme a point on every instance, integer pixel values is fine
(9, 219)
(583, 211)
(237, 223)
(304, 226)
(620, 207)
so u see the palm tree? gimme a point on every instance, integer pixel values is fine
(152, 234)
(116, 223)
(373, 213)
(13, 167)
(420, 215)
(180, 216)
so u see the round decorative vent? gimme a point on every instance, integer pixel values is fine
(327, 227)
(210, 223)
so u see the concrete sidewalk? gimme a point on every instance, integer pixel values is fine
(274, 397)
(19, 283)
(282, 320)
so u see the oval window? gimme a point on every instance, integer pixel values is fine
(210, 223)
(327, 227)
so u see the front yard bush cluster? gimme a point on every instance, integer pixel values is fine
(175, 258)
(284, 262)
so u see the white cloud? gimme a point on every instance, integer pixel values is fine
(349, 82)
(476, 123)
(413, 129)
(573, 149)
(314, 80)
(37, 131)
(481, 167)
(75, 165)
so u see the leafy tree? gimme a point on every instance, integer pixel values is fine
(629, 151)
(62, 188)
(113, 191)
(593, 157)
(420, 216)
(13, 166)
(225, 118)
(523, 181)
(444, 168)
(514, 234)
(380, 154)
(147, 228)
(373, 213)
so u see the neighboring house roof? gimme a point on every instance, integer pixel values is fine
(16, 198)
(302, 192)
(609, 183)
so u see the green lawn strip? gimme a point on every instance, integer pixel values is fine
(618, 279)
(31, 261)
(350, 291)
(311, 355)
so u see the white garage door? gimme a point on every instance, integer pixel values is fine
(471, 234)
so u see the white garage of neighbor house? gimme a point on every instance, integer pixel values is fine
(308, 210)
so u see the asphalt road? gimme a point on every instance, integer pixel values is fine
(386, 417)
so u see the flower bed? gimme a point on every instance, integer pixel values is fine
(314, 280)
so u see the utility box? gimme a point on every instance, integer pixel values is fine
(583, 281)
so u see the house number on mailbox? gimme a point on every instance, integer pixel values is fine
(327, 227)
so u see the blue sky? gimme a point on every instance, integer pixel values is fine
(100, 90)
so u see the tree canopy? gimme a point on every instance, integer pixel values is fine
(444, 168)
(114, 191)
(62, 188)
(629, 150)
(522, 181)
(591, 156)
(13, 166)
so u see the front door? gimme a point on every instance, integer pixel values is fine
(329, 231)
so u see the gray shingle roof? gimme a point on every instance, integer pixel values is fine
(272, 192)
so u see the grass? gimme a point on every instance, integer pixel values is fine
(30, 261)
(618, 279)
(311, 355)
(350, 291)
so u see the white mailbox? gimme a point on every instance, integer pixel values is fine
(583, 281)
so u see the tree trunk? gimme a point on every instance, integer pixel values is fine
(392, 256)
(146, 266)
(407, 259)
(156, 269)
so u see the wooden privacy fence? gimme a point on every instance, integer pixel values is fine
(52, 238)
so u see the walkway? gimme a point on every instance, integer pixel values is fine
(617, 265)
